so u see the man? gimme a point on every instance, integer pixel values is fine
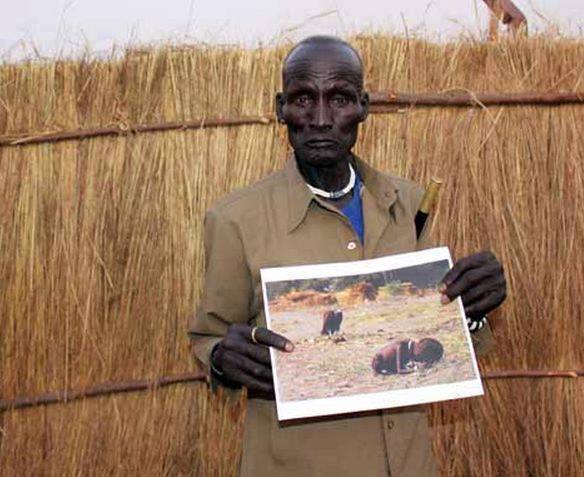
(326, 205)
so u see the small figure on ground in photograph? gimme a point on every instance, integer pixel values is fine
(331, 322)
(398, 356)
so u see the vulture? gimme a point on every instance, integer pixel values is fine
(331, 322)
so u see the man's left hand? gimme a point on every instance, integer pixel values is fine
(479, 280)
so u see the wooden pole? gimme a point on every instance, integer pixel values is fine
(99, 390)
(124, 130)
(493, 21)
(382, 102)
(532, 374)
(150, 384)
(507, 13)
(468, 98)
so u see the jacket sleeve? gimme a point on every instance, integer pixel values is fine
(227, 288)
(482, 339)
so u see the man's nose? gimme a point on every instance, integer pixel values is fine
(322, 117)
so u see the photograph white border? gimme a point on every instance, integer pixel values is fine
(365, 402)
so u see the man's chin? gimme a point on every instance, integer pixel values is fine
(320, 157)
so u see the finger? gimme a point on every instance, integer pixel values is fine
(240, 329)
(488, 285)
(236, 366)
(464, 264)
(486, 304)
(470, 279)
(252, 383)
(269, 338)
(259, 353)
(248, 366)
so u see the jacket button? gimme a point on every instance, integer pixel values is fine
(390, 425)
(351, 245)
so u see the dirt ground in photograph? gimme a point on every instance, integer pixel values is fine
(322, 367)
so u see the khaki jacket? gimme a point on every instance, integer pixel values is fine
(279, 222)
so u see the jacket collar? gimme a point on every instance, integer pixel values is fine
(378, 185)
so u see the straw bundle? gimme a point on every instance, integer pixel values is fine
(101, 252)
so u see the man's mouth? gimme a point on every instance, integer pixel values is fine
(321, 143)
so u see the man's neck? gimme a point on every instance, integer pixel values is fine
(329, 179)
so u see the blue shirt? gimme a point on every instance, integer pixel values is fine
(353, 210)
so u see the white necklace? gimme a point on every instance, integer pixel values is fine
(337, 193)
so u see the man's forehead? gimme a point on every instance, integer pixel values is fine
(331, 80)
(335, 62)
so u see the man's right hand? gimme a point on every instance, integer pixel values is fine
(244, 362)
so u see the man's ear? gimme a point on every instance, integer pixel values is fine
(280, 100)
(364, 100)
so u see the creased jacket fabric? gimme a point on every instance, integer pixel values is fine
(279, 222)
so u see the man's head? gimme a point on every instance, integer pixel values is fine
(323, 101)
(427, 350)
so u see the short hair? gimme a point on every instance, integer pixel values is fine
(324, 40)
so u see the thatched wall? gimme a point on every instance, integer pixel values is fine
(101, 253)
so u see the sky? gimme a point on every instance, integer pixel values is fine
(47, 28)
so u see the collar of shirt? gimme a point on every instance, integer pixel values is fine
(381, 188)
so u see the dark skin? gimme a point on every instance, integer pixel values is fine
(479, 280)
(322, 105)
(396, 350)
(246, 363)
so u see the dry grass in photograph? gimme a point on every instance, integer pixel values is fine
(341, 364)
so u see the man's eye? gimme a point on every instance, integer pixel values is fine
(340, 100)
(302, 100)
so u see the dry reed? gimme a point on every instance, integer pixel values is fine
(101, 253)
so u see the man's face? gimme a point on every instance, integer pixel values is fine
(322, 103)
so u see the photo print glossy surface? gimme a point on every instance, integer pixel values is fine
(368, 335)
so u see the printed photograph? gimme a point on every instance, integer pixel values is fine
(365, 333)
